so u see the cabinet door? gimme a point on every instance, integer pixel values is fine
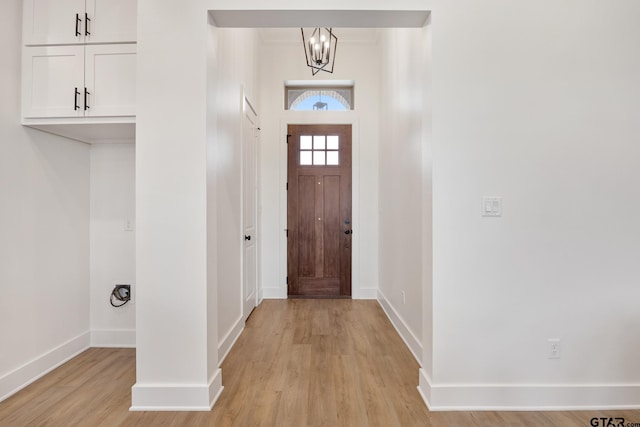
(110, 76)
(53, 81)
(111, 21)
(53, 21)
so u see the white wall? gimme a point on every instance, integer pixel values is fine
(44, 233)
(401, 183)
(212, 48)
(187, 203)
(537, 102)
(533, 101)
(236, 75)
(536, 120)
(284, 60)
(427, 201)
(174, 327)
(112, 190)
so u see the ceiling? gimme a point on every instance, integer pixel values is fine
(316, 18)
(355, 26)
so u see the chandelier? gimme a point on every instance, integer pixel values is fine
(320, 49)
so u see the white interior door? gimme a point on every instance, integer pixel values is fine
(249, 209)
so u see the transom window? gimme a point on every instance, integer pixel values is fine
(319, 150)
(338, 98)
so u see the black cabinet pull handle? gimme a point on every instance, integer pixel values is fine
(86, 25)
(86, 103)
(75, 99)
(78, 21)
(247, 237)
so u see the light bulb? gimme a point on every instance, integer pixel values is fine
(312, 40)
(322, 38)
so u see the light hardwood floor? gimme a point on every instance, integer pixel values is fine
(298, 363)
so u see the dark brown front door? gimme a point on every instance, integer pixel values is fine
(319, 211)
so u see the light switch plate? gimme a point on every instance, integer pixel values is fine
(491, 206)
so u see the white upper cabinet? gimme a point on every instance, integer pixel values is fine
(111, 21)
(53, 81)
(79, 81)
(51, 22)
(110, 78)
(79, 68)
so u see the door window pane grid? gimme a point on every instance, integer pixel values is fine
(319, 150)
(332, 158)
(305, 142)
(332, 142)
(305, 158)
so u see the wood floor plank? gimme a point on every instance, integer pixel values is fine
(298, 363)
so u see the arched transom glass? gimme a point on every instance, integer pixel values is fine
(320, 99)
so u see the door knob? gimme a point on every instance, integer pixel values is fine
(247, 237)
(347, 232)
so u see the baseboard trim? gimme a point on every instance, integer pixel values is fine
(177, 397)
(274, 293)
(366, 293)
(215, 387)
(424, 387)
(229, 340)
(24, 375)
(121, 338)
(403, 330)
(528, 397)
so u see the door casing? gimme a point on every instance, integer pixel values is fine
(310, 118)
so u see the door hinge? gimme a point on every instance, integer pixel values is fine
(288, 136)
(286, 232)
(287, 280)
(287, 186)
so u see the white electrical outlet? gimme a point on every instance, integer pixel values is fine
(404, 299)
(128, 225)
(554, 348)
